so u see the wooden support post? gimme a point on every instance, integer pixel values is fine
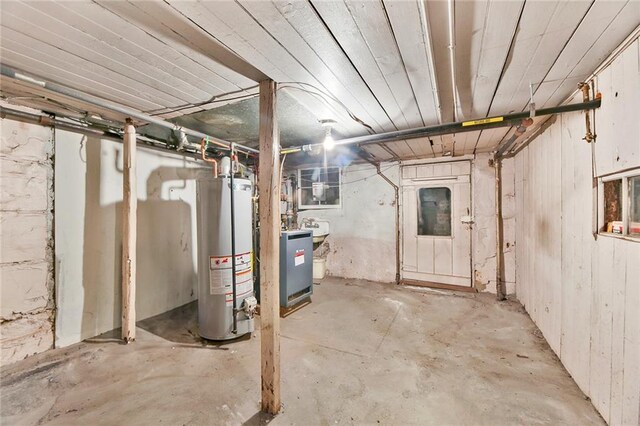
(129, 230)
(269, 206)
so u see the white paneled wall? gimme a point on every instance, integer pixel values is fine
(582, 292)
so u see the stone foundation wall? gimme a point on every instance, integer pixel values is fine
(26, 234)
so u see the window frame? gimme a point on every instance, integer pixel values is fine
(319, 206)
(452, 207)
(451, 210)
(625, 177)
(627, 225)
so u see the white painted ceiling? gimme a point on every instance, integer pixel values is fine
(384, 62)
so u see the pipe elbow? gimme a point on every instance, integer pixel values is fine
(203, 153)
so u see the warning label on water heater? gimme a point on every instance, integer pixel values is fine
(220, 281)
(299, 257)
(220, 276)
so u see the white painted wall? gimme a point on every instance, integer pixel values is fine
(584, 293)
(362, 233)
(483, 235)
(362, 238)
(26, 254)
(88, 203)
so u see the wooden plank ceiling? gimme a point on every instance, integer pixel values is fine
(385, 62)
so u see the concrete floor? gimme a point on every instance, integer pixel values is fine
(360, 353)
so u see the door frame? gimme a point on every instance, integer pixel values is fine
(447, 180)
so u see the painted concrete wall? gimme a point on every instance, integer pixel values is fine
(582, 292)
(362, 242)
(484, 229)
(362, 238)
(88, 235)
(26, 255)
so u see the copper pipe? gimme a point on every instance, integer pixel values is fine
(203, 152)
(589, 137)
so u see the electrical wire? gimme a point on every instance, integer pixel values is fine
(284, 157)
(368, 177)
(322, 93)
(363, 178)
(317, 92)
(213, 99)
(320, 96)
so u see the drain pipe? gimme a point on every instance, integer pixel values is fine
(501, 287)
(396, 189)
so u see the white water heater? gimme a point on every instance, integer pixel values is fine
(216, 308)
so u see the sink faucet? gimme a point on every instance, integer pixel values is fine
(310, 223)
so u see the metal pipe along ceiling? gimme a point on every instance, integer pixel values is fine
(112, 106)
(43, 120)
(507, 120)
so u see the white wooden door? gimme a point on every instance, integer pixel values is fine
(436, 230)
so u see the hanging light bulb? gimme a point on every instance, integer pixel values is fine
(328, 143)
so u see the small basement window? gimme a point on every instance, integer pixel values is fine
(319, 188)
(620, 204)
(613, 206)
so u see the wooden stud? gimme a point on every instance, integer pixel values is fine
(269, 206)
(129, 231)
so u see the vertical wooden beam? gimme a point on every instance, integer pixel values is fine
(269, 206)
(129, 231)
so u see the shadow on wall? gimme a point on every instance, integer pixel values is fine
(166, 274)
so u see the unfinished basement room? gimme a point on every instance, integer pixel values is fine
(320, 212)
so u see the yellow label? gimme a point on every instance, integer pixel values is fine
(483, 121)
(289, 151)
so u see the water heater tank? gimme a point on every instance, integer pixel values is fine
(215, 292)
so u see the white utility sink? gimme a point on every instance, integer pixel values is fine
(319, 227)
